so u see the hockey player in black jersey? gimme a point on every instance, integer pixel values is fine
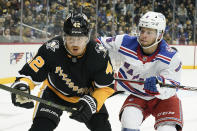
(75, 72)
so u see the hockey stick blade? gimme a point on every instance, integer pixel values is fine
(49, 103)
(189, 88)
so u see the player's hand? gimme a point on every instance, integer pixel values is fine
(152, 84)
(19, 100)
(107, 43)
(85, 108)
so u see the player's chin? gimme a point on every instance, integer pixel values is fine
(145, 44)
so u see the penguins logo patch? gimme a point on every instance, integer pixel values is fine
(100, 48)
(53, 45)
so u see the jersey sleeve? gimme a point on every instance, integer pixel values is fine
(103, 80)
(37, 69)
(113, 44)
(103, 75)
(172, 76)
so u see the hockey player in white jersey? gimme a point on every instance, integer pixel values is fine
(147, 58)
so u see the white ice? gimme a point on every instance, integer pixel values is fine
(17, 119)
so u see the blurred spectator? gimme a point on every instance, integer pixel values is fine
(6, 35)
(1, 33)
(129, 5)
(191, 38)
(38, 6)
(118, 7)
(102, 14)
(2, 20)
(7, 20)
(2, 7)
(182, 13)
(28, 35)
(182, 40)
(15, 5)
(109, 15)
(182, 37)
(113, 16)
(168, 38)
(120, 30)
(190, 9)
(128, 16)
(136, 19)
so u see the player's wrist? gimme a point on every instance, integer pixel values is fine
(91, 102)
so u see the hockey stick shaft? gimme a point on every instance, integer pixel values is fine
(189, 88)
(49, 103)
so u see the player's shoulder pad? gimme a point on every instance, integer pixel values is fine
(128, 37)
(99, 56)
(129, 41)
(53, 44)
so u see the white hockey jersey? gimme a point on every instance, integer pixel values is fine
(164, 62)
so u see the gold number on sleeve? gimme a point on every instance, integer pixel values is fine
(37, 63)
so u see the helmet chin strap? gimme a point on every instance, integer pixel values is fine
(147, 47)
(66, 47)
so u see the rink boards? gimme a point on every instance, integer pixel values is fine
(15, 55)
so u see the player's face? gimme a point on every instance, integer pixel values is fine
(76, 44)
(147, 36)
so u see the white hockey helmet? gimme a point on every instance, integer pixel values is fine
(153, 20)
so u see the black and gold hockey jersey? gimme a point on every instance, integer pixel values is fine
(72, 77)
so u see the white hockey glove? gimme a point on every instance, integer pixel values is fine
(19, 100)
(85, 108)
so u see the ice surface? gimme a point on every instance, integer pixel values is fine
(17, 119)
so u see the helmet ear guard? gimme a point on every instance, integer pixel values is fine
(76, 24)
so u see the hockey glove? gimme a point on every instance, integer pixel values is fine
(19, 100)
(152, 84)
(85, 108)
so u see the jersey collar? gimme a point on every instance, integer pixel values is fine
(145, 58)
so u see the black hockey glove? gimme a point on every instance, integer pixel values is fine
(19, 100)
(85, 108)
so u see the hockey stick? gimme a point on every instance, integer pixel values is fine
(49, 103)
(189, 88)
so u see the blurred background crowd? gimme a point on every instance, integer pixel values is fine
(34, 21)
